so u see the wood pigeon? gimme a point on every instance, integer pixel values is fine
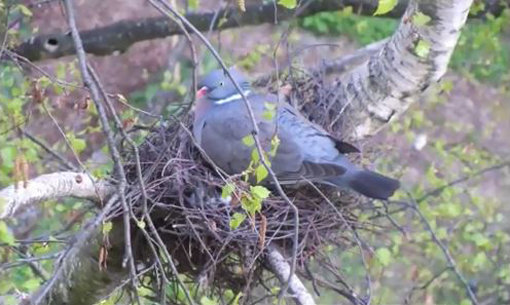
(305, 151)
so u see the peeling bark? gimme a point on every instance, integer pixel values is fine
(383, 87)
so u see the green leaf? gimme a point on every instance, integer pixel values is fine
(255, 157)
(420, 19)
(261, 173)
(384, 256)
(268, 115)
(236, 299)
(275, 142)
(6, 235)
(385, 6)
(207, 301)
(290, 4)
(194, 4)
(8, 153)
(78, 145)
(270, 106)
(248, 140)
(107, 227)
(227, 190)
(480, 260)
(236, 220)
(25, 10)
(260, 191)
(251, 205)
(422, 48)
(31, 284)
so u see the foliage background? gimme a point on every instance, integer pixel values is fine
(465, 120)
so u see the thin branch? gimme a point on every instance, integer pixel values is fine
(68, 165)
(439, 190)
(450, 261)
(121, 187)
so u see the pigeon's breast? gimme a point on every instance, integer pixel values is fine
(224, 128)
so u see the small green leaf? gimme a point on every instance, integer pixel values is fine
(255, 157)
(422, 48)
(77, 144)
(25, 10)
(6, 235)
(384, 256)
(260, 173)
(236, 220)
(227, 190)
(385, 6)
(194, 4)
(290, 4)
(207, 301)
(275, 142)
(107, 227)
(268, 115)
(31, 284)
(248, 140)
(236, 299)
(251, 205)
(420, 19)
(260, 191)
(270, 106)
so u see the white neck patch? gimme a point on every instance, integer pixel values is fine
(232, 98)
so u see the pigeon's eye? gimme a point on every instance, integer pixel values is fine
(221, 84)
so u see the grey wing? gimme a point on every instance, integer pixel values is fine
(319, 156)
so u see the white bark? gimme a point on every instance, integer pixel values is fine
(281, 268)
(51, 186)
(382, 88)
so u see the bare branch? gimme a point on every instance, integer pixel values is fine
(121, 35)
(281, 269)
(96, 98)
(52, 186)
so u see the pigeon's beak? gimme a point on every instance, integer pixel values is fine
(201, 92)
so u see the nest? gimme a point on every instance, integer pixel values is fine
(183, 199)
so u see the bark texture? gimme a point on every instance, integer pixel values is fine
(51, 186)
(121, 35)
(415, 57)
(280, 267)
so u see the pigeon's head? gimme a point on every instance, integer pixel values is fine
(217, 86)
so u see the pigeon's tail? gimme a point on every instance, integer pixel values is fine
(368, 183)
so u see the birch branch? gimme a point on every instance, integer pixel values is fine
(52, 186)
(416, 56)
(281, 268)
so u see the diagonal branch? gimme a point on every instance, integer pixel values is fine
(282, 270)
(415, 57)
